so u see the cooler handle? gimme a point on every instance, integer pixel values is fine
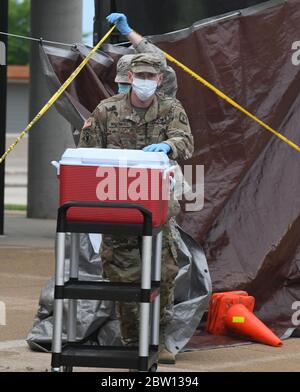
(56, 165)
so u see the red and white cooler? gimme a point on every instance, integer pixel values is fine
(113, 175)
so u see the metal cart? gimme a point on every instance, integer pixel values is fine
(146, 293)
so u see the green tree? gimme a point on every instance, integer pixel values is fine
(18, 23)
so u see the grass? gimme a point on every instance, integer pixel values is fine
(15, 207)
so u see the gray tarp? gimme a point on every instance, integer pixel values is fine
(97, 321)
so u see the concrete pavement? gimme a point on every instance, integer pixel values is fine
(20, 231)
(15, 356)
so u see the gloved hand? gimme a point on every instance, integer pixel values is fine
(161, 147)
(120, 20)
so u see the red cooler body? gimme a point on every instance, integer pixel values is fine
(112, 175)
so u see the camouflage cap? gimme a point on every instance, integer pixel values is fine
(123, 67)
(146, 62)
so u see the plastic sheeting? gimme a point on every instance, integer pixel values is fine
(249, 226)
(97, 321)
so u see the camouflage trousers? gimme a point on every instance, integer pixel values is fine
(121, 263)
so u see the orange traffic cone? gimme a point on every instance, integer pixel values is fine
(242, 322)
(218, 308)
(213, 303)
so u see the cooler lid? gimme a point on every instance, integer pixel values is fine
(114, 157)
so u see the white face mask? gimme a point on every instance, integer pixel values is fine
(144, 88)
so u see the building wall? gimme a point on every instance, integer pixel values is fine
(17, 106)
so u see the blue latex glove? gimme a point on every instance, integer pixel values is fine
(120, 20)
(161, 147)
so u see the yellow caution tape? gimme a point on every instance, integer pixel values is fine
(230, 101)
(55, 97)
(238, 319)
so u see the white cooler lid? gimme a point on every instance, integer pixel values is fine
(114, 157)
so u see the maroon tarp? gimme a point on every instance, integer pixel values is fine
(250, 223)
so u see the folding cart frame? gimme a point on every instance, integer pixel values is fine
(146, 293)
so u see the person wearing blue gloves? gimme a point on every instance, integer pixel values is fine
(160, 147)
(147, 120)
(120, 20)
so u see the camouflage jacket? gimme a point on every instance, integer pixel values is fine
(115, 124)
(169, 84)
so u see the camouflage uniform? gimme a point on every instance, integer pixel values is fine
(115, 124)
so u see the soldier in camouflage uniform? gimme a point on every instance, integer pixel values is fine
(119, 122)
(125, 121)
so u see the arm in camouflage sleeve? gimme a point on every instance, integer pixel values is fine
(179, 134)
(93, 133)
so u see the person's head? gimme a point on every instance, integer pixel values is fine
(123, 67)
(145, 75)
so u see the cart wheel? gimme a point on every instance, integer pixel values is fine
(68, 369)
(153, 368)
